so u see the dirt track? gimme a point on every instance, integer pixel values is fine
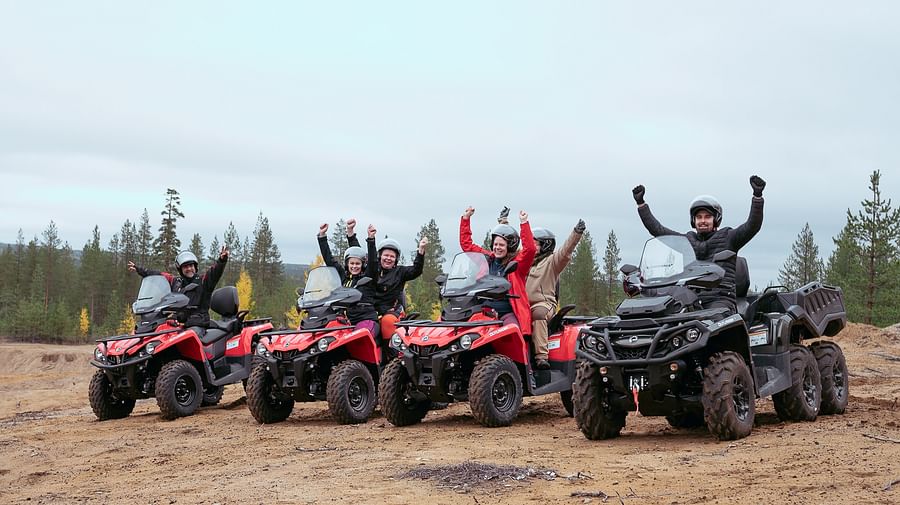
(52, 450)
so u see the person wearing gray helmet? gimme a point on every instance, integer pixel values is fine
(186, 263)
(542, 285)
(392, 279)
(356, 265)
(707, 238)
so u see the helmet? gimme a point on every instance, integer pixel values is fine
(509, 234)
(709, 204)
(546, 239)
(185, 257)
(355, 252)
(391, 244)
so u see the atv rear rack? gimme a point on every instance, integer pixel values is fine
(141, 335)
(297, 332)
(424, 323)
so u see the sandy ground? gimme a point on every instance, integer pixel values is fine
(52, 449)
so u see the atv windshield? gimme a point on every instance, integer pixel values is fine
(153, 289)
(467, 268)
(320, 283)
(666, 257)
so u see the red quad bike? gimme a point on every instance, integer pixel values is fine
(325, 359)
(176, 364)
(470, 355)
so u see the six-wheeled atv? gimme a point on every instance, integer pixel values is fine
(471, 355)
(665, 355)
(183, 367)
(325, 359)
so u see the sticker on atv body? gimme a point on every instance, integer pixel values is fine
(759, 338)
(232, 344)
(553, 344)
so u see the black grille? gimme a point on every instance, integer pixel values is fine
(423, 350)
(285, 354)
(638, 353)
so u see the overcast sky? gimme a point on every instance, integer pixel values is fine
(398, 112)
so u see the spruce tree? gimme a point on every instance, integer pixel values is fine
(423, 291)
(145, 242)
(580, 281)
(167, 245)
(338, 240)
(197, 246)
(804, 264)
(611, 260)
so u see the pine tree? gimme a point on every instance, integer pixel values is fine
(197, 246)
(236, 255)
(338, 240)
(611, 259)
(580, 281)
(167, 245)
(214, 248)
(804, 264)
(876, 230)
(144, 242)
(265, 260)
(49, 248)
(423, 291)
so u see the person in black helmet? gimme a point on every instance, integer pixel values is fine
(355, 267)
(186, 263)
(392, 279)
(707, 238)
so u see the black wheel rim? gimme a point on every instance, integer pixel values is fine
(740, 395)
(809, 390)
(357, 393)
(503, 393)
(840, 387)
(185, 390)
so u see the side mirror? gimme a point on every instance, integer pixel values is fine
(724, 256)
(441, 279)
(363, 281)
(299, 291)
(511, 267)
(628, 269)
(190, 287)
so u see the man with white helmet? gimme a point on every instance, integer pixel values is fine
(186, 263)
(707, 238)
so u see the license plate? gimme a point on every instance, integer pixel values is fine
(639, 382)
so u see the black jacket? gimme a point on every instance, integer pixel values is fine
(365, 309)
(198, 297)
(389, 295)
(708, 244)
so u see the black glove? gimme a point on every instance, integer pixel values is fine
(579, 228)
(638, 193)
(504, 216)
(758, 185)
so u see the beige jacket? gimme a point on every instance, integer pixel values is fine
(543, 277)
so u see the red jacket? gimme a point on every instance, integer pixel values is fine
(525, 257)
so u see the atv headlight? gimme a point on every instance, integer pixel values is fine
(261, 350)
(152, 347)
(590, 342)
(396, 341)
(324, 343)
(692, 335)
(98, 354)
(466, 340)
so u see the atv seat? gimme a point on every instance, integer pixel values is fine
(555, 323)
(212, 335)
(223, 301)
(741, 287)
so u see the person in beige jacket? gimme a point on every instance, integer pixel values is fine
(543, 284)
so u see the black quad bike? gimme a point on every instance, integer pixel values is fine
(662, 354)
(183, 367)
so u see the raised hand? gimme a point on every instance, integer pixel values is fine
(323, 229)
(223, 254)
(351, 225)
(758, 185)
(422, 244)
(638, 194)
(372, 231)
(132, 267)
(579, 228)
(523, 216)
(469, 211)
(504, 216)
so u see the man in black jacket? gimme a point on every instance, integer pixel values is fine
(707, 238)
(198, 296)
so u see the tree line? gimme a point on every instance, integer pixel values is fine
(50, 293)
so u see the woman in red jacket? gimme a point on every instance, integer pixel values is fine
(505, 243)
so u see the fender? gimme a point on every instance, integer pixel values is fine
(187, 342)
(242, 343)
(561, 345)
(730, 334)
(506, 340)
(360, 345)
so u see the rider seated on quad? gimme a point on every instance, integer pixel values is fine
(355, 267)
(504, 244)
(186, 263)
(543, 285)
(392, 279)
(707, 238)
